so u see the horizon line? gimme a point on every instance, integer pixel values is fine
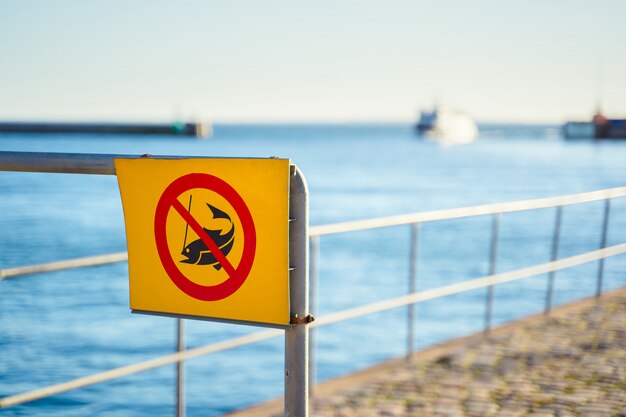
(268, 122)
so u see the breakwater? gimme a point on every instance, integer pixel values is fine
(197, 129)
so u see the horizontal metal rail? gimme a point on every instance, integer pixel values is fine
(64, 264)
(137, 367)
(71, 163)
(327, 229)
(474, 284)
(68, 163)
(104, 164)
(413, 298)
(456, 213)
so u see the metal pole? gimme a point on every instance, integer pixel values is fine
(313, 287)
(180, 370)
(605, 229)
(412, 313)
(495, 226)
(556, 238)
(69, 163)
(297, 335)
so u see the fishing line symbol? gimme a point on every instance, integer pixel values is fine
(197, 252)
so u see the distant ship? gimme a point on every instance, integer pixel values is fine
(600, 127)
(447, 126)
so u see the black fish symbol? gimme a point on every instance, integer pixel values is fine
(197, 252)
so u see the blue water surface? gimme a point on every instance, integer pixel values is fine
(63, 325)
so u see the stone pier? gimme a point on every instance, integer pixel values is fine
(572, 363)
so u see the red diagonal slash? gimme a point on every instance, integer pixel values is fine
(215, 250)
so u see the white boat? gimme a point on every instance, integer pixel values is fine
(447, 126)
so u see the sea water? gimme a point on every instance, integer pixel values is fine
(67, 324)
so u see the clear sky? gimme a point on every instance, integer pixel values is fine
(306, 61)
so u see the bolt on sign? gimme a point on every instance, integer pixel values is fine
(208, 238)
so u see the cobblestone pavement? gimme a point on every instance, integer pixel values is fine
(572, 365)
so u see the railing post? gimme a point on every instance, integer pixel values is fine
(495, 226)
(180, 370)
(297, 335)
(556, 239)
(412, 314)
(313, 288)
(603, 240)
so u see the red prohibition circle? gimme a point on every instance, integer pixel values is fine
(237, 274)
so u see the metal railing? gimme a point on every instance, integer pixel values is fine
(102, 164)
(414, 220)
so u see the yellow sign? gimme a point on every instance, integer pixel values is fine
(208, 238)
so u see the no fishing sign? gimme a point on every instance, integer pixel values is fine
(208, 238)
